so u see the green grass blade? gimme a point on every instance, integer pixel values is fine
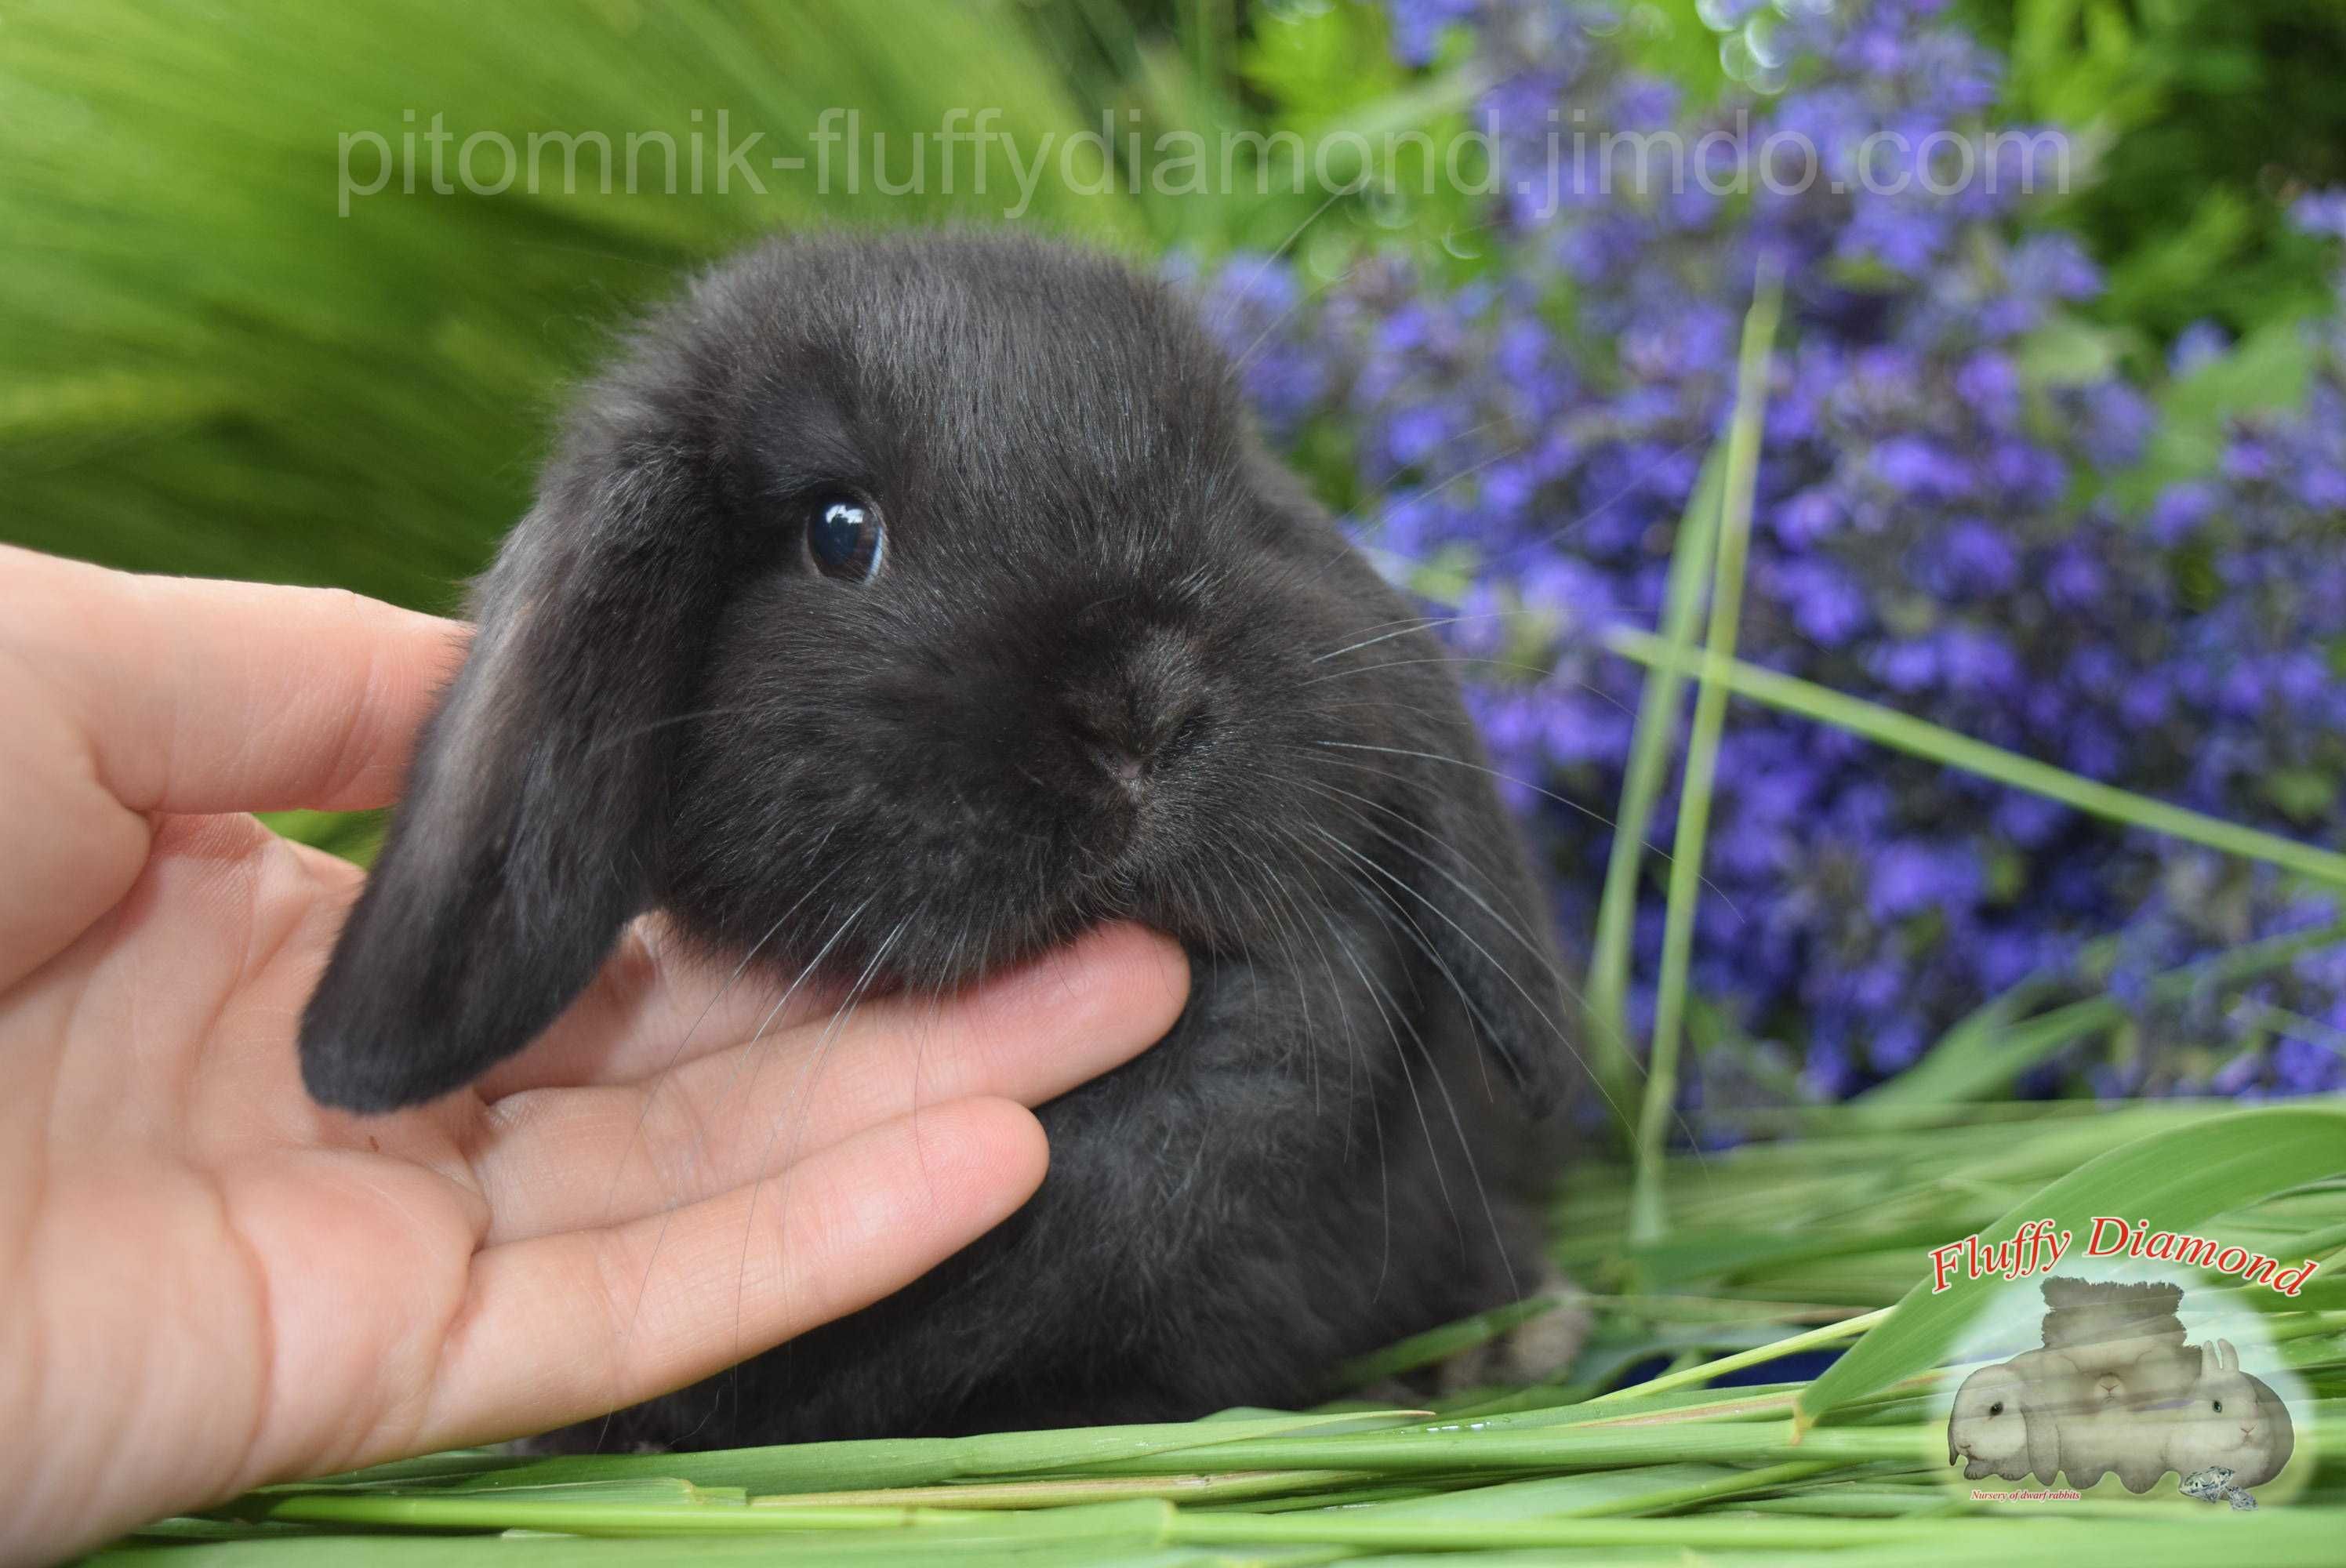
(1447, 1447)
(1939, 1084)
(1904, 732)
(1737, 484)
(1982, 1057)
(2180, 1177)
(1440, 1344)
(1657, 1535)
(1593, 1494)
(1656, 734)
(1775, 1349)
(863, 1465)
(1842, 1213)
(1236, 1486)
(1140, 1519)
(537, 1549)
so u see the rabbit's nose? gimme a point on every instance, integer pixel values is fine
(1127, 772)
(1137, 712)
(1128, 747)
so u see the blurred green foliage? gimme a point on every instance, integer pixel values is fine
(1270, 92)
(2207, 117)
(208, 365)
(209, 369)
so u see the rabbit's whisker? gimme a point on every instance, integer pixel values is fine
(820, 1055)
(1472, 469)
(661, 1079)
(1578, 997)
(1545, 673)
(1304, 904)
(1594, 816)
(1419, 624)
(1514, 927)
(1378, 998)
(1684, 448)
(1305, 901)
(1288, 244)
(701, 1136)
(1637, 483)
(1534, 947)
(1400, 1055)
(1238, 885)
(1279, 902)
(1449, 658)
(1467, 936)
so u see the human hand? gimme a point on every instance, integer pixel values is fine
(208, 1282)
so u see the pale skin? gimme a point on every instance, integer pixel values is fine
(207, 1282)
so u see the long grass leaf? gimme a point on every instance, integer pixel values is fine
(1978, 1058)
(1738, 483)
(867, 1464)
(1658, 708)
(1906, 733)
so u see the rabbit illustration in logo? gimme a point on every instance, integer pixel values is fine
(2003, 1424)
(2106, 1432)
(2112, 1353)
(2124, 1339)
(2227, 1432)
(2119, 1353)
(2229, 1421)
(2124, 1343)
(2117, 1391)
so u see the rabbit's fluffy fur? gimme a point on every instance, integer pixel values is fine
(1115, 665)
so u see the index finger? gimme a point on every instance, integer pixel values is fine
(205, 697)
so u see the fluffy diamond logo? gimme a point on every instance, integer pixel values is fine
(2117, 1389)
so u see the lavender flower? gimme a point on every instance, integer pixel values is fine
(1935, 530)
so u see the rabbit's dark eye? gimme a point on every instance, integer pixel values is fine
(1996, 1409)
(2219, 1407)
(844, 538)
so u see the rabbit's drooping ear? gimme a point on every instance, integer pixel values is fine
(2042, 1432)
(1488, 928)
(524, 842)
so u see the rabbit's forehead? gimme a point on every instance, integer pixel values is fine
(1015, 415)
(987, 371)
(967, 379)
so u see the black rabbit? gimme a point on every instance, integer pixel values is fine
(899, 607)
